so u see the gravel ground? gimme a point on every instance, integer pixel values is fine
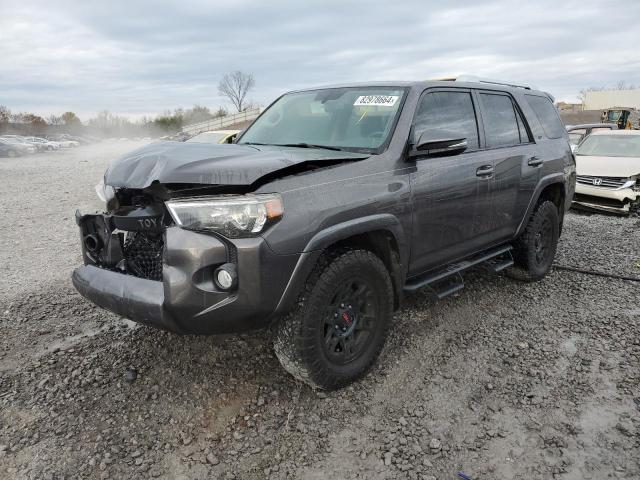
(502, 381)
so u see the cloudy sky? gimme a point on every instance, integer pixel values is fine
(141, 57)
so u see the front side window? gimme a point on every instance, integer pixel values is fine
(447, 115)
(501, 126)
(614, 115)
(359, 119)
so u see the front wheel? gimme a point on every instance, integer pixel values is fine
(535, 249)
(340, 322)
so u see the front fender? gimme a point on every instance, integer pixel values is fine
(329, 236)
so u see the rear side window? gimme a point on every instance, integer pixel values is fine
(501, 126)
(447, 115)
(547, 115)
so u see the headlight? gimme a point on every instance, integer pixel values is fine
(105, 192)
(231, 216)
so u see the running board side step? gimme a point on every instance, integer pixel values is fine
(448, 280)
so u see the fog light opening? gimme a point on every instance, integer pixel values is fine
(226, 277)
(91, 243)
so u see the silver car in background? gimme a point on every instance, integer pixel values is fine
(42, 143)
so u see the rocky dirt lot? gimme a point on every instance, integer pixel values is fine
(503, 381)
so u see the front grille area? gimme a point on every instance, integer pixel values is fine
(143, 254)
(606, 182)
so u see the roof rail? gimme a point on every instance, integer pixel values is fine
(473, 78)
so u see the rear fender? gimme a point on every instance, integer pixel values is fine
(554, 178)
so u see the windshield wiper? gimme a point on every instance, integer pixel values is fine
(309, 145)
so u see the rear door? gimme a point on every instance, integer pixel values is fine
(451, 194)
(509, 145)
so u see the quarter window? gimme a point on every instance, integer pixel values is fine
(501, 126)
(547, 115)
(447, 115)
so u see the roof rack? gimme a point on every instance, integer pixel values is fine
(473, 78)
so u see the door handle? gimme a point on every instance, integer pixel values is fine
(484, 171)
(534, 161)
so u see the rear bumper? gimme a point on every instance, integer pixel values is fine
(187, 300)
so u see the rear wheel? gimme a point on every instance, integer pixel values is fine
(12, 153)
(340, 322)
(535, 249)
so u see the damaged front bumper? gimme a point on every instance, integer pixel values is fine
(614, 200)
(184, 298)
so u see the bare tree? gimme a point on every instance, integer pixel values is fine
(5, 117)
(622, 85)
(70, 119)
(235, 87)
(54, 120)
(5, 114)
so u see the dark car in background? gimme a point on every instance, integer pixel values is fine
(328, 209)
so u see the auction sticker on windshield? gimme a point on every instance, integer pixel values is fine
(376, 100)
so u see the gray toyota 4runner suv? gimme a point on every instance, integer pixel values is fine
(330, 207)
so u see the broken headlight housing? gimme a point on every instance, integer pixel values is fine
(233, 216)
(106, 193)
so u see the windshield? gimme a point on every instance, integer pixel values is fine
(610, 146)
(354, 119)
(208, 137)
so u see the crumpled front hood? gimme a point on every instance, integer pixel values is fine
(622, 167)
(210, 164)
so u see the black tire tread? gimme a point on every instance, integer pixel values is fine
(290, 334)
(522, 245)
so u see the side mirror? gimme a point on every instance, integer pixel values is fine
(439, 147)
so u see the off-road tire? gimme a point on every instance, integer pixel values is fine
(300, 338)
(530, 263)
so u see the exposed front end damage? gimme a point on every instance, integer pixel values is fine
(142, 265)
(610, 194)
(139, 265)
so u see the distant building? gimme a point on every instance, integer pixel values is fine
(569, 107)
(604, 99)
